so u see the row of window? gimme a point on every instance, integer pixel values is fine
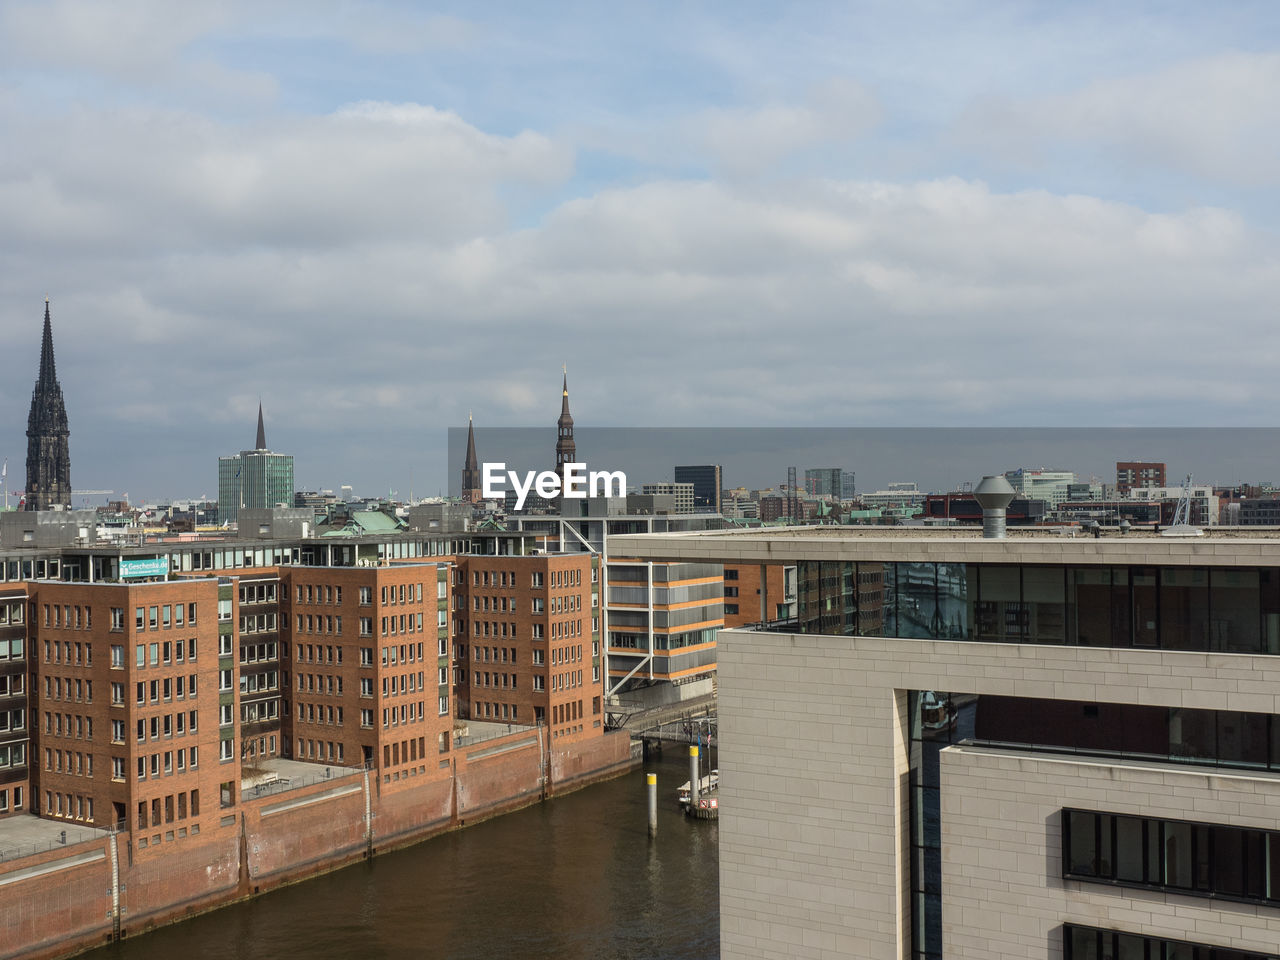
(11, 648)
(326, 593)
(69, 725)
(60, 615)
(73, 654)
(175, 806)
(13, 755)
(1200, 859)
(326, 623)
(153, 618)
(489, 710)
(1091, 943)
(12, 720)
(12, 612)
(157, 653)
(68, 806)
(12, 685)
(321, 683)
(72, 763)
(539, 579)
(316, 750)
(156, 691)
(160, 764)
(310, 713)
(69, 689)
(161, 725)
(507, 681)
(6, 796)
(264, 591)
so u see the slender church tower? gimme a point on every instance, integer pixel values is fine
(471, 489)
(48, 458)
(566, 449)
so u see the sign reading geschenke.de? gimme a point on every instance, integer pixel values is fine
(144, 567)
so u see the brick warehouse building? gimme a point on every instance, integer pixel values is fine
(342, 654)
(528, 642)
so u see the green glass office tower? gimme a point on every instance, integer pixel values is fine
(254, 478)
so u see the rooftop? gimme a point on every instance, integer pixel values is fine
(1220, 546)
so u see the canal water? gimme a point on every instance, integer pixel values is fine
(574, 877)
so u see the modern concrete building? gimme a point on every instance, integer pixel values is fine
(681, 494)
(1038, 747)
(255, 478)
(1051, 486)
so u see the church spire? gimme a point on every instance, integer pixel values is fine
(48, 458)
(262, 430)
(566, 449)
(48, 370)
(471, 489)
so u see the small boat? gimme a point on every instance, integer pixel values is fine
(935, 712)
(707, 784)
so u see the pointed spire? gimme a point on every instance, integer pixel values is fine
(472, 462)
(48, 371)
(564, 395)
(262, 432)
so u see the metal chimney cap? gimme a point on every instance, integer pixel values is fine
(994, 493)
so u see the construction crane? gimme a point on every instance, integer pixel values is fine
(1181, 526)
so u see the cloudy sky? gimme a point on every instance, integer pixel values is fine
(378, 216)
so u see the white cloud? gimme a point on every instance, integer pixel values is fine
(1214, 116)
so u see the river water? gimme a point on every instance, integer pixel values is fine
(574, 877)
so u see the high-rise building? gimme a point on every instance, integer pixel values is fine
(48, 458)
(824, 482)
(1036, 748)
(258, 479)
(1138, 473)
(707, 480)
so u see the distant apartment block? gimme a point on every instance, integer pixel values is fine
(1138, 473)
(682, 493)
(824, 482)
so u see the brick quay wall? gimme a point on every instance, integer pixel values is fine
(63, 901)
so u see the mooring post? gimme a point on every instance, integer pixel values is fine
(693, 777)
(652, 779)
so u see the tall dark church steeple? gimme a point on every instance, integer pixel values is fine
(48, 458)
(471, 489)
(566, 449)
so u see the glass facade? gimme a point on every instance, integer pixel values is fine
(255, 479)
(1197, 859)
(1090, 943)
(1209, 738)
(1234, 610)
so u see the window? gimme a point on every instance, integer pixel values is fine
(117, 656)
(1197, 859)
(1091, 943)
(117, 618)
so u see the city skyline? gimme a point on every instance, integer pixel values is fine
(958, 214)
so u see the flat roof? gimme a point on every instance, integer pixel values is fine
(1219, 547)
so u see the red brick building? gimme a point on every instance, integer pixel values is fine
(123, 694)
(527, 642)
